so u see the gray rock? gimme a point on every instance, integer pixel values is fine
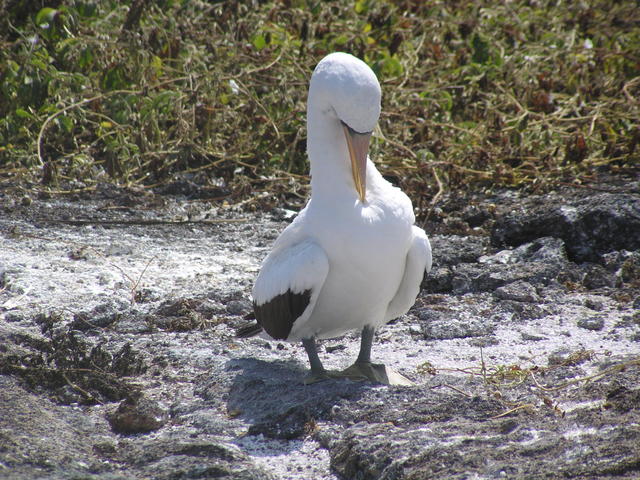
(439, 280)
(41, 439)
(541, 261)
(523, 310)
(544, 249)
(595, 276)
(594, 304)
(590, 227)
(239, 307)
(520, 291)
(455, 249)
(101, 316)
(595, 323)
(4, 278)
(446, 325)
(137, 414)
(14, 317)
(238, 409)
(532, 338)
(415, 441)
(475, 215)
(475, 278)
(167, 458)
(625, 265)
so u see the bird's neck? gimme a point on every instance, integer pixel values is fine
(331, 176)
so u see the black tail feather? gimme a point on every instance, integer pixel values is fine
(249, 330)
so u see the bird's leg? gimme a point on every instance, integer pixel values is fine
(366, 341)
(318, 373)
(363, 369)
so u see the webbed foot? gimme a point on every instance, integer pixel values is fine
(374, 372)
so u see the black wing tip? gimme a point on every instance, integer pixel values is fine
(278, 314)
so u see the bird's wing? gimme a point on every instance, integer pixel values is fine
(288, 286)
(417, 264)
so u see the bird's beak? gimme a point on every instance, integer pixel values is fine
(358, 144)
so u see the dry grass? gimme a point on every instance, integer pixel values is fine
(502, 381)
(475, 95)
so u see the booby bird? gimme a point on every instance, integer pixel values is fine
(352, 258)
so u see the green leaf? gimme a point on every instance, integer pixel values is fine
(87, 9)
(21, 113)
(114, 79)
(65, 123)
(156, 64)
(259, 42)
(481, 52)
(392, 67)
(340, 40)
(39, 64)
(361, 7)
(86, 58)
(447, 101)
(163, 102)
(45, 16)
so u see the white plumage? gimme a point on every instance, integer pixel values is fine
(352, 258)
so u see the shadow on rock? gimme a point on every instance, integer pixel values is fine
(589, 227)
(273, 399)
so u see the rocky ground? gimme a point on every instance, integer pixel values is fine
(118, 358)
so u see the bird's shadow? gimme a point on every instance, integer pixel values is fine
(273, 399)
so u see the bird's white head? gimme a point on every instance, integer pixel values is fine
(344, 96)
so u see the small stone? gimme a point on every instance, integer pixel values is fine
(483, 342)
(335, 348)
(415, 330)
(448, 325)
(527, 337)
(239, 307)
(544, 249)
(283, 214)
(623, 399)
(595, 276)
(558, 357)
(523, 310)
(596, 305)
(137, 414)
(508, 426)
(595, 323)
(519, 291)
(84, 321)
(439, 280)
(13, 317)
(475, 215)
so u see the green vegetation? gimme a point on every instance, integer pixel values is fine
(475, 94)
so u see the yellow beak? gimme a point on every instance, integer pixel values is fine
(358, 144)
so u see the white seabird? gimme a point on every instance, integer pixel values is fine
(352, 258)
